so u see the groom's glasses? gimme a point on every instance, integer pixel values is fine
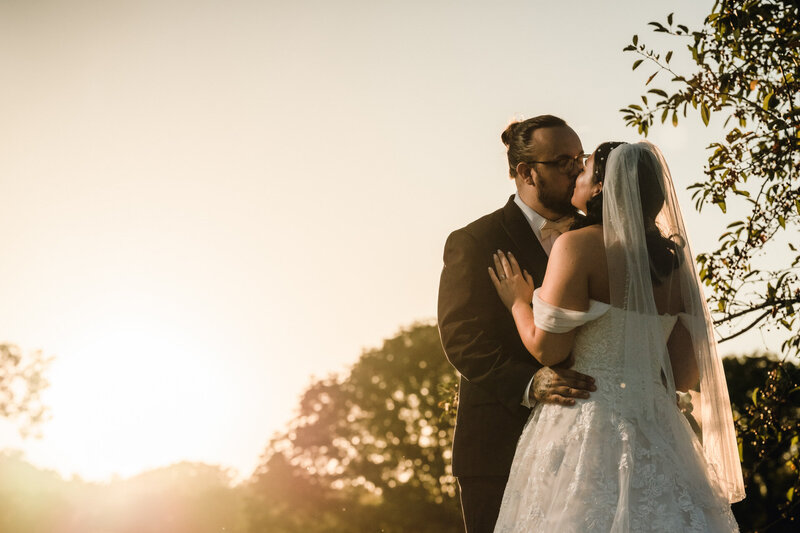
(566, 163)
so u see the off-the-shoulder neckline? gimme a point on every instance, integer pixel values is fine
(597, 303)
(676, 315)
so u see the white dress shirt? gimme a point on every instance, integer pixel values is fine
(551, 233)
(551, 229)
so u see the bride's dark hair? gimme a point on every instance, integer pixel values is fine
(664, 253)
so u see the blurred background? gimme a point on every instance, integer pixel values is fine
(222, 226)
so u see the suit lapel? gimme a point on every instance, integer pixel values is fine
(531, 254)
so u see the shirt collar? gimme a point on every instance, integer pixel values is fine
(534, 219)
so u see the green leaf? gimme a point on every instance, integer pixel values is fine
(669, 18)
(659, 92)
(675, 118)
(637, 63)
(754, 396)
(704, 113)
(635, 40)
(790, 494)
(767, 99)
(669, 56)
(782, 221)
(653, 75)
(664, 119)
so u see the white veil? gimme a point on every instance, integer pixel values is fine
(647, 366)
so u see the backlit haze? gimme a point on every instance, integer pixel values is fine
(206, 203)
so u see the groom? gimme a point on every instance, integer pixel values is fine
(500, 380)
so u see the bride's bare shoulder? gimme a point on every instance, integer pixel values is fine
(571, 266)
(584, 243)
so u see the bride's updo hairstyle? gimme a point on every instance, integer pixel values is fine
(518, 135)
(664, 252)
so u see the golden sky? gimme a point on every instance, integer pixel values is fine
(205, 203)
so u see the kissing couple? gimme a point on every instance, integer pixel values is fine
(591, 395)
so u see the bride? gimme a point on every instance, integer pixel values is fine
(622, 297)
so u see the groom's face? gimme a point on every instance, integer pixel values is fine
(555, 182)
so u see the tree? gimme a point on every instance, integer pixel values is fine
(180, 498)
(368, 451)
(31, 499)
(765, 397)
(747, 59)
(21, 383)
(186, 497)
(747, 56)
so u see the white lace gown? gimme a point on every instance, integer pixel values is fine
(568, 471)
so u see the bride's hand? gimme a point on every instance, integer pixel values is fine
(513, 284)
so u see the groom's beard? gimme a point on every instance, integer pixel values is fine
(556, 202)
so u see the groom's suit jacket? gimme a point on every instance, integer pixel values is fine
(481, 341)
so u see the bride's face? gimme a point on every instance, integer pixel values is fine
(585, 188)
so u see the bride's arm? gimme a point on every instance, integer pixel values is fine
(680, 346)
(681, 357)
(566, 284)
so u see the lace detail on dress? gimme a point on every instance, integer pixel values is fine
(576, 467)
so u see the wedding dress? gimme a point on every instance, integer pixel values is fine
(565, 476)
(626, 460)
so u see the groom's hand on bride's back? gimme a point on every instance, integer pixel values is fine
(560, 384)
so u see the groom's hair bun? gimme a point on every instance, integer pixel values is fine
(517, 137)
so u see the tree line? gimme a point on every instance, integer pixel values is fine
(368, 451)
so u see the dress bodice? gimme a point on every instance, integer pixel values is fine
(598, 349)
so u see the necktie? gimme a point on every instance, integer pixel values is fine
(554, 228)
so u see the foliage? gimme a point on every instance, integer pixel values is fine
(747, 55)
(362, 455)
(186, 497)
(182, 498)
(31, 500)
(21, 383)
(368, 451)
(765, 395)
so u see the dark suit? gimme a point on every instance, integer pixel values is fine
(481, 341)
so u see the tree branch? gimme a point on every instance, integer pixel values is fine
(753, 324)
(770, 303)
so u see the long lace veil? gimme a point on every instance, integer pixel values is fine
(631, 203)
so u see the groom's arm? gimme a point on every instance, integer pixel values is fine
(469, 324)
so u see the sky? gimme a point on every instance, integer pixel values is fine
(206, 204)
